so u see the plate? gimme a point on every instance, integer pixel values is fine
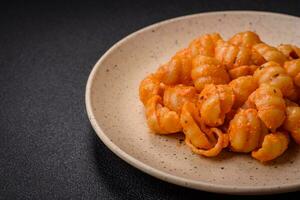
(117, 115)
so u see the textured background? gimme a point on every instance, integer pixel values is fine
(48, 149)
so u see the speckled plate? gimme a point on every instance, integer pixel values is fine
(117, 115)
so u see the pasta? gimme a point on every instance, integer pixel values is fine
(292, 68)
(245, 39)
(205, 45)
(177, 70)
(242, 87)
(190, 121)
(199, 142)
(175, 97)
(246, 131)
(275, 75)
(150, 87)
(290, 51)
(232, 56)
(292, 121)
(243, 70)
(214, 151)
(214, 102)
(269, 102)
(237, 94)
(269, 53)
(274, 144)
(160, 119)
(208, 70)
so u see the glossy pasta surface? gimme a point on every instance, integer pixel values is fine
(239, 95)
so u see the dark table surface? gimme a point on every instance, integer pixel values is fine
(47, 50)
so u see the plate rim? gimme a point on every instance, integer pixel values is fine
(177, 180)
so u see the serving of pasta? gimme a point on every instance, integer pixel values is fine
(240, 95)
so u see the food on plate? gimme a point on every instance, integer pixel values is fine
(292, 121)
(246, 130)
(208, 70)
(270, 105)
(240, 95)
(292, 68)
(160, 119)
(176, 96)
(275, 75)
(273, 145)
(269, 53)
(214, 102)
(242, 88)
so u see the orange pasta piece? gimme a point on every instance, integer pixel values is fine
(275, 75)
(269, 102)
(204, 45)
(274, 144)
(190, 121)
(245, 39)
(242, 87)
(215, 101)
(150, 87)
(208, 70)
(160, 119)
(174, 97)
(269, 53)
(232, 56)
(177, 70)
(245, 131)
(290, 51)
(292, 121)
(293, 70)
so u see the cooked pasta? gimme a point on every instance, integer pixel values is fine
(190, 122)
(293, 70)
(269, 53)
(237, 94)
(245, 39)
(243, 70)
(214, 151)
(232, 56)
(292, 121)
(205, 45)
(270, 105)
(274, 144)
(208, 70)
(242, 87)
(245, 131)
(275, 75)
(174, 97)
(150, 87)
(290, 51)
(214, 102)
(177, 70)
(160, 119)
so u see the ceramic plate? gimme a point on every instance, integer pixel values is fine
(117, 115)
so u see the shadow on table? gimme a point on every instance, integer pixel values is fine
(122, 181)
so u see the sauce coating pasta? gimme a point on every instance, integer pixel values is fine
(292, 121)
(245, 131)
(208, 70)
(269, 102)
(175, 97)
(274, 144)
(292, 68)
(242, 87)
(275, 75)
(245, 39)
(269, 53)
(237, 94)
(160, 119)
(214, 102)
